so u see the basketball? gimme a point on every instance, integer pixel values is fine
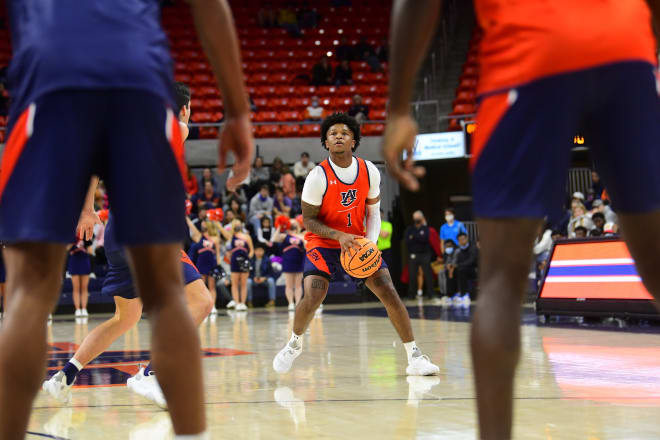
(363, 263)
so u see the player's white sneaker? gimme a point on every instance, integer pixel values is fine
(240, 307)
(78, 313)
(214, 311)
(231, 304)
(292, 306)
(421, 366)
(445, 301)
(56, 386)
(84, 313)
(147, 387)
(466, 301)
(284, 359)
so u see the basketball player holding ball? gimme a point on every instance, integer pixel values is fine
(340, 195)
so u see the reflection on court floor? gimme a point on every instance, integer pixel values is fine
(350, 381)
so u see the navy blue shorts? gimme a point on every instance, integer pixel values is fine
(79, 264)
(119, 282)
(129, 138)
(326, 262)
(239, 262)
(522, 147)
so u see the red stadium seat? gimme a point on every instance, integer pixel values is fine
(290, 116)
(455, 125)
(306, 91)
(278, 78)
(265, 116)
(208, 132)
(280, 104)
(377, 115)
(209, 92)
(379, 102)
(299, 104)
(261, 103)
(310, 130)
(214, 105)
(264, 131)
(372, 129)
(201, 117)
(463, 109)
(286, 91)
(290, 130)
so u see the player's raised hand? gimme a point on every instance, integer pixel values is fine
(400, 133)
(236, 136)
(348, 243)
(86, 222)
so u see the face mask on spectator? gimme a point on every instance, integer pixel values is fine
(449, 218)
(466, 246)
(449, 250)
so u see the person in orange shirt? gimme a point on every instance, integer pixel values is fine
(341, 195)
(548, 68)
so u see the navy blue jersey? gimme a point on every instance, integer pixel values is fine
(91, 44)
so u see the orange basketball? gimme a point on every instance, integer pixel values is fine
(363, 263)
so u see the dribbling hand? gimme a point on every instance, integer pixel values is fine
(236, 136)
(348, 243)
(400, 133)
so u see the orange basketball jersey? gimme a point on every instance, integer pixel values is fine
(344, 205)
(525, 40)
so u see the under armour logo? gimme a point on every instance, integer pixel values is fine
(348, 197)
(333, 182)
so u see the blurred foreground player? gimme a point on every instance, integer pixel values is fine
(541, 80)
(118, 283)
(341, 202)
(91, 84)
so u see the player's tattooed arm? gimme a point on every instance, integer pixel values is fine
(316, 226)
(313, 224)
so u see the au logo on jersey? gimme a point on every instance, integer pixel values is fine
(348, 197)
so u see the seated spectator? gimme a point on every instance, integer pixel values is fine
(451, 229)
(595, 233)
(259, 174)
(281, 203)
(209, 199)
(261, 274)
(358, 110)
(344, 51)
(307, 17)
(264, 235)
(322, 73)
(542, 246)
(597, 185)
(314, 111)
(192, 186)
(381, 52)
(239, 195)
(466, 268)
(266, 16)
(199, 220)
(236, 209)
(580, 232)
(449, 257)
(598, 220)
(207, 176)
(302, 167)
(288, 183)
(276, 171)
(604, 208)
(296, 202)
(579, 217)
(227, 219)
(287, 19)
(261, 206)
(343, 74)
(362, 50)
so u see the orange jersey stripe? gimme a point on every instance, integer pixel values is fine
(18, 137)
(526, 40)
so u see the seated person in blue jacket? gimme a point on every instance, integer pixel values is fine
(261, 274)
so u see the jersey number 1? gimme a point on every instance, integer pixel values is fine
(349, 220)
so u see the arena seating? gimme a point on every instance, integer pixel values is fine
(466, 93)
(278, 66)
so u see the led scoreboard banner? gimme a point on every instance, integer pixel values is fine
(593, 277)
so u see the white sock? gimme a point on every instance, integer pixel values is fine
(203, 436)
(75, 362)
(419, 291)
(411, 350)
(296, 341)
